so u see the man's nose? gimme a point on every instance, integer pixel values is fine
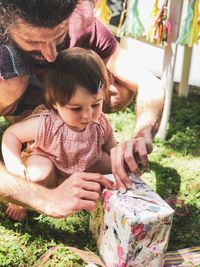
(49, 51)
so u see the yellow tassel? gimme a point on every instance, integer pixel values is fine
(102, 11)
(152, 28)
(195, 27)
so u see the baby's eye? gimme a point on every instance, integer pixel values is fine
(76, 109)
(95, 105)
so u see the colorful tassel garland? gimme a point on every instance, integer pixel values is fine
(184, 37)
(159, 28)
(133, 25)
(102, 11)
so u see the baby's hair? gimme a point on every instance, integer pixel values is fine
(74, 67)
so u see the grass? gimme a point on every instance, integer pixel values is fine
(174, 170)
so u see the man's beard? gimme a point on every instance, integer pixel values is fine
(36, 57)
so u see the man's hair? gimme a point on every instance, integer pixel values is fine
(38, 13)
(74, 67)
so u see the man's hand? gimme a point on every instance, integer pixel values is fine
(130, 156)
(80, 191)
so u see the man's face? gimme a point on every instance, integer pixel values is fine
(40, 43)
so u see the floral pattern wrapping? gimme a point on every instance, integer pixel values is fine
(132, 229)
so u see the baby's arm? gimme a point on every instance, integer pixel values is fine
(111, 142)
(12, 141)
(108, 146)
(110, 139)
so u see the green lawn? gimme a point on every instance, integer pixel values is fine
(174, 169)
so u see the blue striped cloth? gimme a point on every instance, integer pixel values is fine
(12, 62)
(187, 257)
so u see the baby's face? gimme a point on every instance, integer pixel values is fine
(82, 109)
(11, 90)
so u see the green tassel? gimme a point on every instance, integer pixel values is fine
(184, 37)
(133, 24)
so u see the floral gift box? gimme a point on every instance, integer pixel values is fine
(132, 229)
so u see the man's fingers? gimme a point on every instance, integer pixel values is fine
(131, 160)
(88, 205)
(91, 186)
(144, 162)
(140, 155)
(118, 169)
(84, 204)
(121, 177)
(89, 181)
(130, 155)
(89, 195)
(104, 182)
(120, 185)
(122, 156)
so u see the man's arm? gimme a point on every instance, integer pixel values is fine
(149, 94)
(80, 191)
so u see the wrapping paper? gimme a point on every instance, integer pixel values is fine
(132, 229)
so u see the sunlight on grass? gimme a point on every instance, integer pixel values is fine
(122, 123)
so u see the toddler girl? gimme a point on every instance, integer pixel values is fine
(70, 133)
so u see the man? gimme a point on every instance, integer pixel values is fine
(34, 32)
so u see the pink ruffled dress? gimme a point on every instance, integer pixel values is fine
(69, 150)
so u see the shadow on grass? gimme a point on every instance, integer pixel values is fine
(185, 230)
(184, 125)
(167, 180)
(73, 231)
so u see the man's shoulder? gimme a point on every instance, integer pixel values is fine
(94, 36)
(105, 40)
